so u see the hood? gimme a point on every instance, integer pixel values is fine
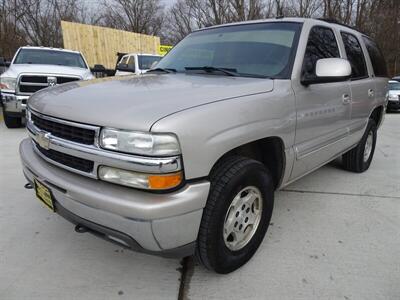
(16, 69)
(136, 102)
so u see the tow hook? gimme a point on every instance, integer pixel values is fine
(28, 186)
(81, 229)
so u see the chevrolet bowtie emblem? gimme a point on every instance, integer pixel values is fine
(51, 81)
(43, 139)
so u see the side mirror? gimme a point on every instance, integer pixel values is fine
(329, 70)
(125, 68)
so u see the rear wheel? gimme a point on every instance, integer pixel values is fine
(359, 158)
(10, 121)
(237, 214)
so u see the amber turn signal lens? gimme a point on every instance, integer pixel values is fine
(166, 181)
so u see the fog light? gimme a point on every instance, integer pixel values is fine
(140, 180)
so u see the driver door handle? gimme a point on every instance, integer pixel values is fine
(346, 99)
(371, 93)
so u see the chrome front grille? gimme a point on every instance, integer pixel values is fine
(70, 161)
(29, 84)
(64, 131)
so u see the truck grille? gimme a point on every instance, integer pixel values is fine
(32, 83)
(76, 163)
(67, 132)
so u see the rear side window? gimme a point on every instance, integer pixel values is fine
(355, 56)
(377, 59)
(321, 44)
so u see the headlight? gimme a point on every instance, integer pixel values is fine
(8, 83)
(140, 180)
(141, 143)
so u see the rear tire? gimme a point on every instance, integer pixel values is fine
(359, 158)
(11, 122)
(237, 214)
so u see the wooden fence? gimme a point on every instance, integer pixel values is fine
(100, 45)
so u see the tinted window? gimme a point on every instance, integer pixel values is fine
(250, 50)
(355, 56)
(321, 44)
(377, 59)
(49, 57)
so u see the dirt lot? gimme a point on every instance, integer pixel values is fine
(334, 235)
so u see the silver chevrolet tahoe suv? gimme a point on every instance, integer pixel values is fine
(185, 159)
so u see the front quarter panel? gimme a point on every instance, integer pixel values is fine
(209, 131)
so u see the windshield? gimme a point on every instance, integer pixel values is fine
(50, 57)
(394, 86)
(148, 61)
(264, 49)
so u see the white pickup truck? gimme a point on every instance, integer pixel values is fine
(136, 64)
(33, 69)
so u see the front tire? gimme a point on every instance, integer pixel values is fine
(11, 122)
(359, 158)
(237, 214)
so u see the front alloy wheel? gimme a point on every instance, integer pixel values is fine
(243, 218)
(237, 214)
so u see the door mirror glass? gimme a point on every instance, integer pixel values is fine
(329, 70)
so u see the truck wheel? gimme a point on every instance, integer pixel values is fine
(359, 158)
(11, 122)
(237, 214)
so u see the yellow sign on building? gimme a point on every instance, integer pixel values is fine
(164, 49)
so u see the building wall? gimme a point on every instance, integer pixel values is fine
(100, 45)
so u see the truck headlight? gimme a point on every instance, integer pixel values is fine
(141, 143)
(8, 83)
(140, 180)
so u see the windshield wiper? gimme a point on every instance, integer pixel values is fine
(208, 69)
(165, 70)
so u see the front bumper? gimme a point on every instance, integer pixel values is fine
(14, 105)
(161, 224)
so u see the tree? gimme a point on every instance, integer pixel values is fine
(188, 15)
(141, 16)
(11, 36)
(40, 19)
